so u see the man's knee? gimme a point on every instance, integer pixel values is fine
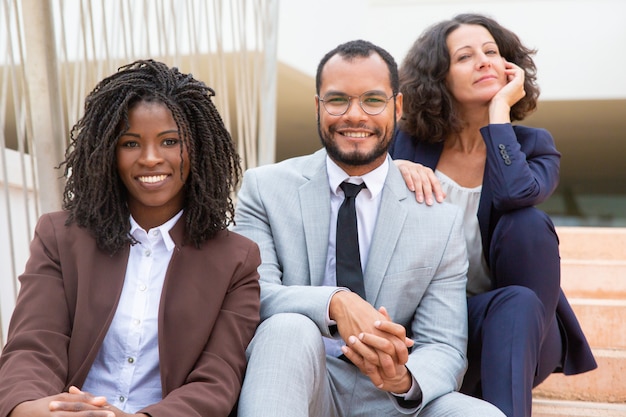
(456, 404)
(288, 332)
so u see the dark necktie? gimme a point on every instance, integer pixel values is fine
(348, 259)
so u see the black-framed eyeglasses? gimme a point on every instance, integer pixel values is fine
(372, 102)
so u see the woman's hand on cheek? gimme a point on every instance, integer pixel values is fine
(509, 94)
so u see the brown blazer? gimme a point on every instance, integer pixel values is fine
(69, 293)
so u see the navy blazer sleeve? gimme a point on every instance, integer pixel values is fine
(522, 168)
(523, 165)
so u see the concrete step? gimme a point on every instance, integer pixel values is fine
(604, 384)
(593, 262)
(597, 243)
(593, 278)
(602, 321)
(543, 407)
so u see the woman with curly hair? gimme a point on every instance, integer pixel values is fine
(136, 298)
(464, 81)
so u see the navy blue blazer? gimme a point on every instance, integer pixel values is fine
(522, 170)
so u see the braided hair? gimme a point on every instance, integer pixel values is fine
(94, 194)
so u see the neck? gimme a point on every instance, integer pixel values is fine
(469, 139)
(466, 142)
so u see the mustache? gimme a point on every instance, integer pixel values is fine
(361, 126)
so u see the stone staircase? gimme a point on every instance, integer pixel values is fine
(593, 276)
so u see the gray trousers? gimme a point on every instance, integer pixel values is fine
(289, 375)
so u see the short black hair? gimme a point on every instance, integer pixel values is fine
(360, 49)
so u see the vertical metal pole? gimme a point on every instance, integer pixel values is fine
(268, 96)
(44, 99)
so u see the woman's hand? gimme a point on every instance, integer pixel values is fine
(74, 403)
(115, 412)
(511, 93)
(422, 180)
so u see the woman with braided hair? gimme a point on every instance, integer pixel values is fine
(136, 298)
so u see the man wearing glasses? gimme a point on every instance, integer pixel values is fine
(362, 289)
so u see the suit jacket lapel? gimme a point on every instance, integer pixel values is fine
(103, 287)
(315, 199)
(389, 225)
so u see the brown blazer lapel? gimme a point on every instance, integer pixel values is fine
(99, 278)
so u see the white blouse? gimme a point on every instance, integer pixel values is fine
(478, 275)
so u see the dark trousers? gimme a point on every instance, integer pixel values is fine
(514, 339)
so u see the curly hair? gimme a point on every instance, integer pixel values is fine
(428, 108)
(94, 194)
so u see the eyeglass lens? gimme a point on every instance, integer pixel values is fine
(371, 102)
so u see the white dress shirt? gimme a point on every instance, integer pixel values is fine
(126, 370)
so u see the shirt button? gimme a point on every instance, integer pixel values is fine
(122, 399)
(155, 232)
(142, 287)
(131, 360)
(147, 252)
(136, 322)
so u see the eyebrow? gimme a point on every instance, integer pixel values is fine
(335, 92)
(165, 132)
(468, 46)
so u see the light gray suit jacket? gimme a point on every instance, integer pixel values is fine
(416, 268)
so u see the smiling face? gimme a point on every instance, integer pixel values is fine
(355, 140)
(149, 164)
(476, 71)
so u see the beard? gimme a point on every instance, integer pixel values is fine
(354, 157)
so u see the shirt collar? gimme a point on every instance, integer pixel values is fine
(374, 180)
(164, 229)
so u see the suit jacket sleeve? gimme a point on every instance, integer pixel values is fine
(34, 361)
(269, 212)
(523, 165)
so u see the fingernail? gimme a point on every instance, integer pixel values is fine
(377, 323)
(352, 340)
